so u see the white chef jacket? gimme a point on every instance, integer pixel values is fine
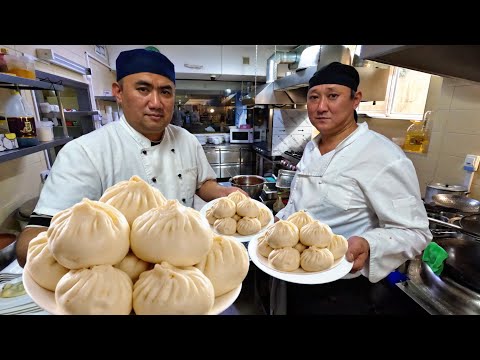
(366, 187)
(88, 165)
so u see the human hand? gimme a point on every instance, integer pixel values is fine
(358, 251)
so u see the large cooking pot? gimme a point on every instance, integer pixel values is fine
(439, 188)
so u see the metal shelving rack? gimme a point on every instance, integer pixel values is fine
(20, 83)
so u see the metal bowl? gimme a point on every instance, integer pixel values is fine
(251, 184)
(7, 249)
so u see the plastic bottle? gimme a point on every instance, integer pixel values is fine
(278, 205)
(21, 120)
(417, 137)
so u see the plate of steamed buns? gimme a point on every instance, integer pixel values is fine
(301, 250)
(133, 252)
(238, 216)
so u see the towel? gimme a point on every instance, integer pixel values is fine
(434, 256)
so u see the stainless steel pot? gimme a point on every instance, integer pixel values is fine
(251, 184)
(439, 188)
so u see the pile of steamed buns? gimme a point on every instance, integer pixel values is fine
(134, 251)
(237, 213)
(301, 242)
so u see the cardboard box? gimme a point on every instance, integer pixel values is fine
(8, 142)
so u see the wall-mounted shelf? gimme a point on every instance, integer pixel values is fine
(16, 153)
(14, 82)
(70, 114)
(106, 98)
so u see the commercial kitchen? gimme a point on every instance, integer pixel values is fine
(246, 104)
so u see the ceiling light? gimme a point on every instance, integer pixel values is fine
(53, 58)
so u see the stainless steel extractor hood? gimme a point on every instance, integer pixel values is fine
(292, 89)
(459, 61)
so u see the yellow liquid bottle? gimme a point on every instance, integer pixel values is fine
(416, 139)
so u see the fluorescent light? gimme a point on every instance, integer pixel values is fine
(52, 57)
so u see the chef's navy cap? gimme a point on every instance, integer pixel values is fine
(336, 73)
(141, 60)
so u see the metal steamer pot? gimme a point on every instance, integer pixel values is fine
(439, 188)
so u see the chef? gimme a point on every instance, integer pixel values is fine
(363, 186)
(142, 143)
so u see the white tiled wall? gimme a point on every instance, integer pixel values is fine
(455, 133)
(20, 178)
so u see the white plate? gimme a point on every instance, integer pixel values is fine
(241, 238)
(46, 299)
(340, 268)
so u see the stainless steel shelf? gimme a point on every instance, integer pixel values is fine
(13, 82)
(106, 98)
(70, 114)
(17, 153)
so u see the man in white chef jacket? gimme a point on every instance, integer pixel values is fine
(363, 186)
(142, 143)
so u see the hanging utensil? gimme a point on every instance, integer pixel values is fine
(458, 202)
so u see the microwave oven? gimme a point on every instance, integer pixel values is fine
(239, 136)
(247, 135)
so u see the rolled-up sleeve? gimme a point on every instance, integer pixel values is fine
(404, 231)
(205, 171)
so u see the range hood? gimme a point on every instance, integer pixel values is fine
(292, 89)
(459, 61)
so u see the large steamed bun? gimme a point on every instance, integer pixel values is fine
(248, 207)
(133, 266)
(264, 216)
(236, 197)
(170, 290)
(225, 226)
(41, 265)
(226, 265)
(172, 232)
(224, 207)
(338, 246)
(285, 259)
(100, 290)
(316, 234)
(281, 234)
(248, 226)
(315, 259)
(300, 218)
(133, 197)
(89, 233)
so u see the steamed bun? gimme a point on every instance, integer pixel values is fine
(100, 290)
(172, 232)
(210, 217)
(315, 259)
(282, 233)
(248, 226)
(225, 226)
(338, 246)
(248, 208)
(262, 246)
(285, 259)
(264, 216)
(133, 266)
(170, 290)
(226, 265)
(89, 233)
(300, 218)
(41, 265)
(237, 196)
(300, 247)
(133, 197)
(316, 234)
(223, 208)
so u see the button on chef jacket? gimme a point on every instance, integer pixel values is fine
(366, 187)
(88, 165)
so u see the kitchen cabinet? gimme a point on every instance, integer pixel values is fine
(19, 83)
(230, 160)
